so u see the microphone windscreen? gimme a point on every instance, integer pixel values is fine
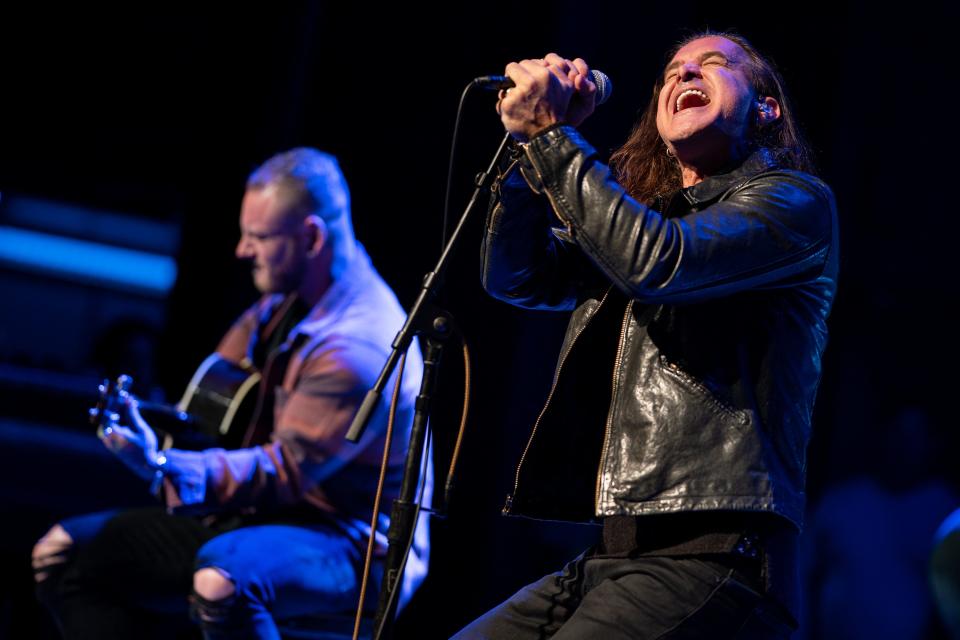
(604, 86)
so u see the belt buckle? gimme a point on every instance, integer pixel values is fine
(748, 546)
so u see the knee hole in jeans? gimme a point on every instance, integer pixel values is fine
(213, 584)
(50, 550)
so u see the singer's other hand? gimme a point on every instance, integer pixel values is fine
(547, 91)
(583, 99)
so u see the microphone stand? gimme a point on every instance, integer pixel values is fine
(402, 520)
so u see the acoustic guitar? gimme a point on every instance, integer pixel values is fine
(215, 410)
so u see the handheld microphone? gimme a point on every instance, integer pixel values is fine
(602, 80)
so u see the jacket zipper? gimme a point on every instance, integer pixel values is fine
(613, 393)
(546, 191)
(553, 387)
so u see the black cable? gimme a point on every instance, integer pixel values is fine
(450, 163)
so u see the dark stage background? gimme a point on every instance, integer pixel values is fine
(137, 129)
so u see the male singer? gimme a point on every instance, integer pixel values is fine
(699, 272)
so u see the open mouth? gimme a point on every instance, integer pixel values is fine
(691, 98)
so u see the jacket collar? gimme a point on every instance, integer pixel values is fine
(353, 280)
(714, 186)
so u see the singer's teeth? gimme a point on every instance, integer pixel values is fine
(691, 98)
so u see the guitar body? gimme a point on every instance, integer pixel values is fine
(220, 400)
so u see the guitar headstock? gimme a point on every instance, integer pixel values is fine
(110, 403)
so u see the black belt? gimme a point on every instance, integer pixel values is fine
(689, 533)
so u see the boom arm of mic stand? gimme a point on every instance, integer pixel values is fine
(417, 316)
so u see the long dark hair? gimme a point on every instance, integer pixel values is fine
(646, 171)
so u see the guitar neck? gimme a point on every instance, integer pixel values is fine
(168, 411)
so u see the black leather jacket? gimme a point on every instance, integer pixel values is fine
(688, 372)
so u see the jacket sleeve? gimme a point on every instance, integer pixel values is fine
(308, 442)
(524, 261)
(774, 229)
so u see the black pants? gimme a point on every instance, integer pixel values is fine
(129, 580)
(615, 598)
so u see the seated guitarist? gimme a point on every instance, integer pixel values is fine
(277, 528)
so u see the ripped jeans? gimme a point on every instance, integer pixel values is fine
(129, 573)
